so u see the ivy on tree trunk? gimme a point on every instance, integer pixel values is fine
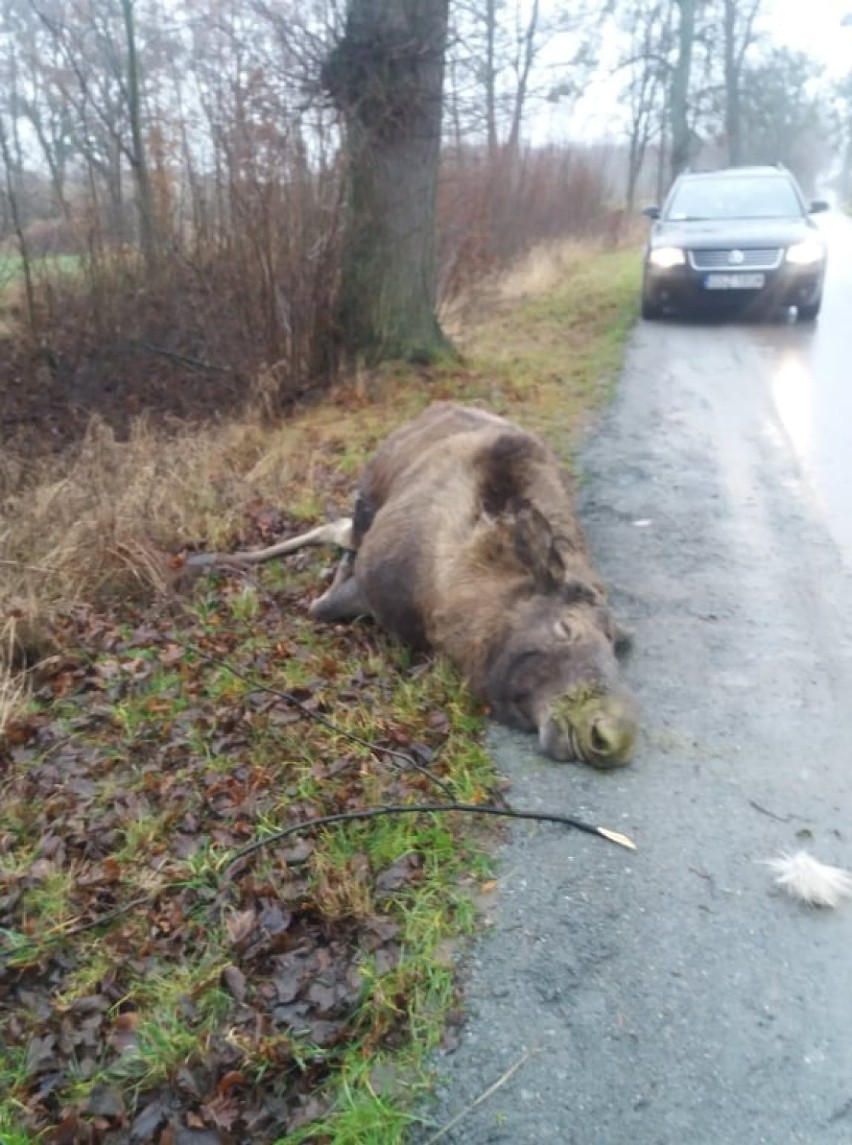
(386, 77)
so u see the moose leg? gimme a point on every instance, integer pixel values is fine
(343, 599)
(334, 533)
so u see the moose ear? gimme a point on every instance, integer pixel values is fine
(536, 549)
(574, 590)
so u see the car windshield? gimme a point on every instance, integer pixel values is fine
(739, 198)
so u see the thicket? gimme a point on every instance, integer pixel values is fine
(238, 302)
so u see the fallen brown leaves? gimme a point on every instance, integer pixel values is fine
(144, 996)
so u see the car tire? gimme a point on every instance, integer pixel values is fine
(808, 313)
(651, 311)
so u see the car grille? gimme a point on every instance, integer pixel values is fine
(759, 259)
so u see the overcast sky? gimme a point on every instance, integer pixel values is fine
(812, 26)
(815, 26)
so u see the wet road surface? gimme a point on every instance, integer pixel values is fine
(810, 377)
(675, 995)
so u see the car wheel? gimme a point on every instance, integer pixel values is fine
(651, 310)
(808, 313)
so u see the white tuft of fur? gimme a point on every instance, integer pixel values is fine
(807, 879)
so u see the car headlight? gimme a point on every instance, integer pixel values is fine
(806, 253)
(666, 256)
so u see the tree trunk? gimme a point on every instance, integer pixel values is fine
(138, 155)
(738, 25)
(491, 76)
(732, 85)
(386, 76)
(10, 163)
(679, 98)
(525, 67)
(846, 173)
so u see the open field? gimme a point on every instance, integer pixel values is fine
(12, 280)
(151, 984)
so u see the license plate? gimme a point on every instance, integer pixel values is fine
(734, 281)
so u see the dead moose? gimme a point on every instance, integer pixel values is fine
(464, 540)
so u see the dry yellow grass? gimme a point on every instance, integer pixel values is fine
(542, 269)
(537, 271)
(99, 524)
(13, 685)
(93, 525)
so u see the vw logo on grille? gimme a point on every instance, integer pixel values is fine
(736, 257)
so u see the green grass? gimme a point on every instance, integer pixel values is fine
(555, 357)
(174, 762)
(11, 266)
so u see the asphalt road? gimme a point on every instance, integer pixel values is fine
(673, 995)
(810, 381)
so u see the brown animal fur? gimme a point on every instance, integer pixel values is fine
(465, 541)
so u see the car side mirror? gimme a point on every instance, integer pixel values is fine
(818, 205)
(651, 212)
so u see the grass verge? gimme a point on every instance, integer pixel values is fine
(149, 985)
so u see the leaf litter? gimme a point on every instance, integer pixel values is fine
(144, 996)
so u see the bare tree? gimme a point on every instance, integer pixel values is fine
(38, 100)
(489, 74)
(526, 51)
(496, 62)
(137, 152)
(647, 67)
(738, 22)
(11, 156)
(782, 115)
(679, 87)
(703, 57)
(842, 109)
